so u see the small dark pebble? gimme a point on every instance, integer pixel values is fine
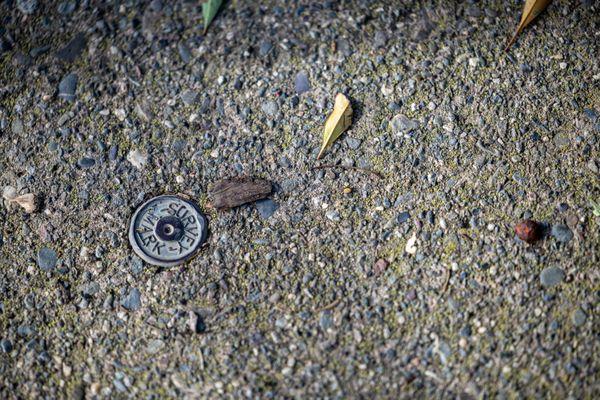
(132, 301)
(302, 84)
(380, 266)
(86, 162)
(265, 48)
(562, 233)
(136, 265)
(403, 217)
(551, 276)
(196, 323)
(47, 259)
(73, 49)
(67, 87)
(266, 208)
(113, 152)
(6, 345)
(184, 53)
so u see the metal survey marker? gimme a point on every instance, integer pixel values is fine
(167, 230)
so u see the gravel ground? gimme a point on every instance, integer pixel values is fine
(312, 293)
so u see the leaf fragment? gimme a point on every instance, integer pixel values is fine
(27, 201)
(209, 10)
(531, 10)
(337, 122)
(233, 192)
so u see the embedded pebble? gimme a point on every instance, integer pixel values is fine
(551, 276)
(302, 84)
(46, 259)
(562, 233)
(137, 159)
(132, 301)
(266, 208)
(67, 87)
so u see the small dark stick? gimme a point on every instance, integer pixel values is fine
(233, 192)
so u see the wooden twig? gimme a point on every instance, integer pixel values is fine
(328, 306)
(446, 282)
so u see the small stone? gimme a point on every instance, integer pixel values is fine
(444, 351)
(266, 208)
(113, 152)
(120, 113)
(333, 215)
(380, 266)
(403, 217)
(5, 45)
(196, 323)
(474, 62)
(136, 265)
(265, 48)
(270, 108)
(37, 51)
(591, 114)
(411, 244)
(47, 259)
(184, 53)
(302, 84)
(67, 87)
(86, 163)
(143, 112)
(401, 123)
(119, 386)
(189, 97)
(17, 126)
(562, 233)
(132, 302)
(66, 7)
(156, 5)
(353, 143)
(380, 39)
(27, 6)
(578, 318)
(6, 345)
(137, 159)
(387, 90)
(73, 49)
(326, 320)
(238, 83)
(551, 276)
(90, 289)
(155, 346)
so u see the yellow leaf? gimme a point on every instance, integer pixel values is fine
(339, 120)
(531, 10)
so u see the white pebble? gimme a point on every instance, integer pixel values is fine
(137, 159)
